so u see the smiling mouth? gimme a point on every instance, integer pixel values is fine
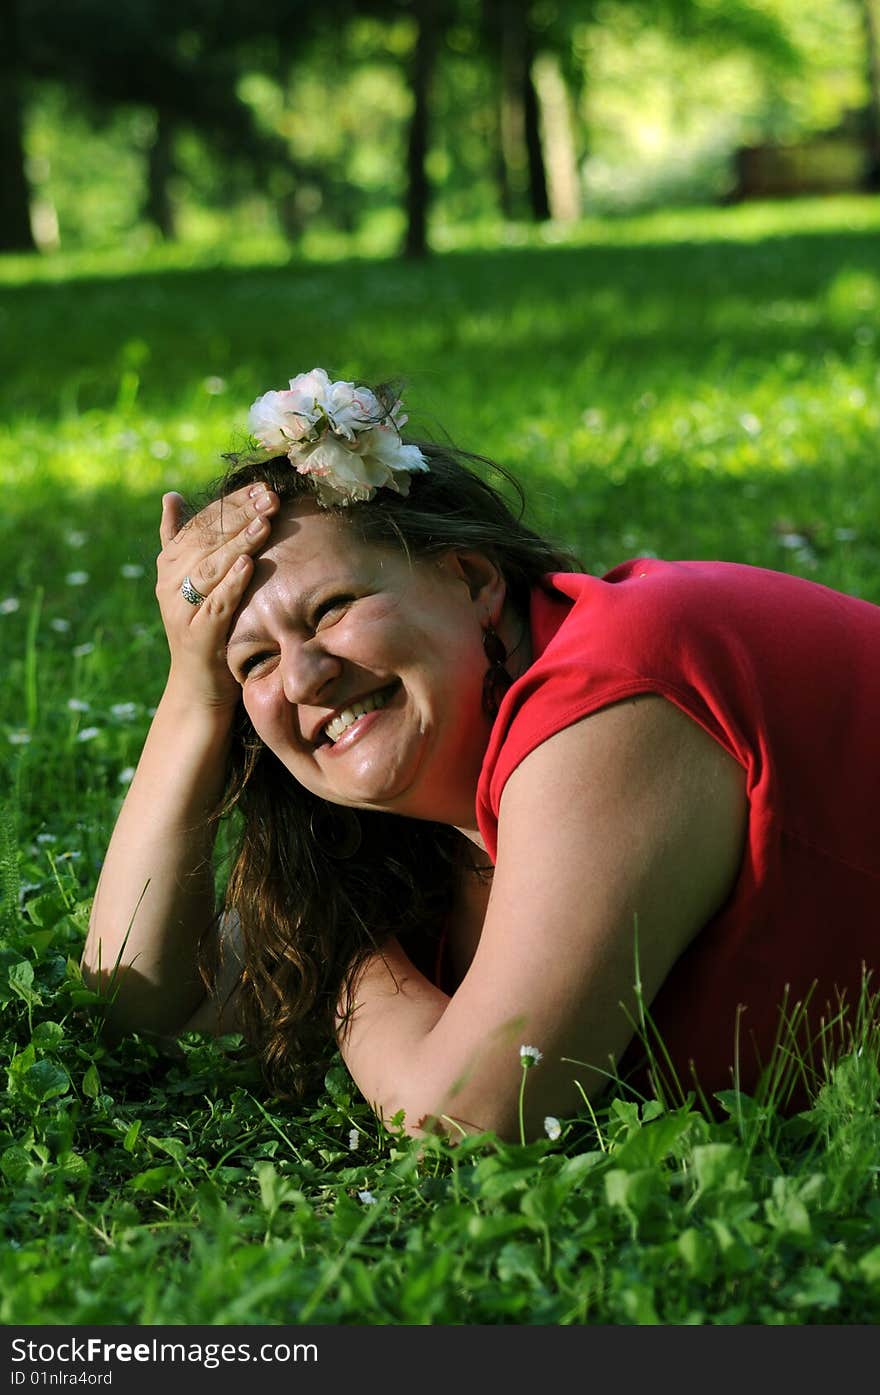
(339, 725)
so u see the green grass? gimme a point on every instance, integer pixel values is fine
(696, 384)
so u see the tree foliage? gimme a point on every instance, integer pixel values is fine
(491, 98)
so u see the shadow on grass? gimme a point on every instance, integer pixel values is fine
(612, 315)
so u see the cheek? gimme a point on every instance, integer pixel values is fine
(261, 703)
(454, 680)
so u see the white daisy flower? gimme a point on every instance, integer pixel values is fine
(552, 1127)
(354, 1139)
(77, 578)
(77, 705)
(131, 570)
(792, 540)
(88, 733)
(19, 738)
(59, 625)
(531, 1055)
(367, 1198)
(126, 776)
(79, 651)
(10, 605)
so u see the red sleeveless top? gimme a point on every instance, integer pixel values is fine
(785, 675)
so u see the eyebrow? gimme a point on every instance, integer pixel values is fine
(251, 637)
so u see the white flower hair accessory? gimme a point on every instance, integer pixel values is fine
(342, 435)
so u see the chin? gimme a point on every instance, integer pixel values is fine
(380, 786)
(380, 801)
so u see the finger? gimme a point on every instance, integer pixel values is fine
(225, 518)
(173, 505)
(224, 598)
(212, 554)
(237, 510)
(204, 572)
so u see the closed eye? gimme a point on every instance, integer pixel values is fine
(331, 609)
(253, 662)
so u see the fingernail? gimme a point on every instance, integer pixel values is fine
(257, 489)
(257, 526)
(263, 503)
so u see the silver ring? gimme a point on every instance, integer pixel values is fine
(189, 592)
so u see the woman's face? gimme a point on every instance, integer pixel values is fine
(363, 671)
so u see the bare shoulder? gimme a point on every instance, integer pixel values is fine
(628, 776)
(632, 816)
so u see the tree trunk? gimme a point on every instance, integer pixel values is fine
(559, 141)
(511, 121)
(524, 180)
(540, 204)
(418, 192)
(493, 31)
(872, 111)
(15, 223)
(499, 169)
(158, 205)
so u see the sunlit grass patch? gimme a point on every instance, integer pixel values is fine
(155, 1185)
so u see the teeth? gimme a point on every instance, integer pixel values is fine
(343, 721)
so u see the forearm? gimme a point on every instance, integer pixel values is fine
(446, 1063)
(155, 895)
(394, 1009)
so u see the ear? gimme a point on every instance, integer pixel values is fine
(483, 578)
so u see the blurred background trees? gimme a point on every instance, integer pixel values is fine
(394, 125)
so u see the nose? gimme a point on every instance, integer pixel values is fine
(307, 671)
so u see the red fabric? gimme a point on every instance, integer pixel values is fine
(785, 675)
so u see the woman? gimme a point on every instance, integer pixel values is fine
(488, 802)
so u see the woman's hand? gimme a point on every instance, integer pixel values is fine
(215, 551)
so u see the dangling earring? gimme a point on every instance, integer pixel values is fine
(497, 679)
